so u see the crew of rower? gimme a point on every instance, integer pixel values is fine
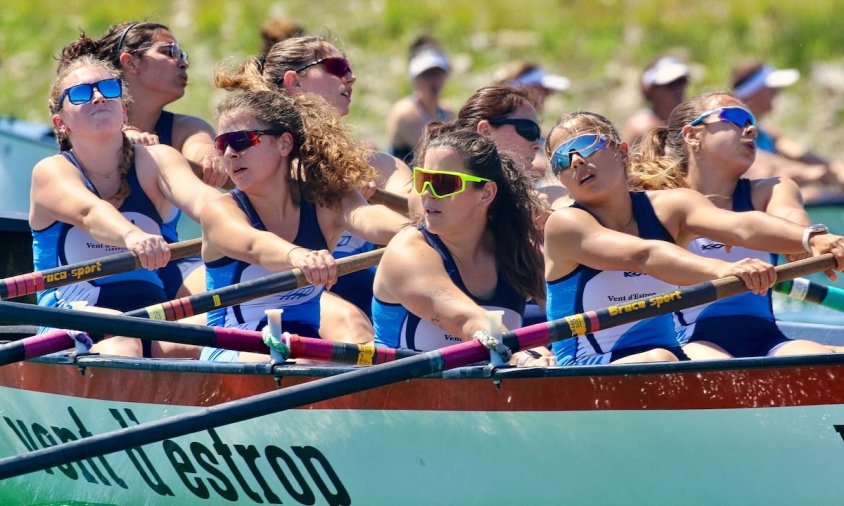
(484, 231)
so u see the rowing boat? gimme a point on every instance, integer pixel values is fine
(702, 432)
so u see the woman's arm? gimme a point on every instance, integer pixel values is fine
(195, 137)
(176, 181)
(412, 274)
(573, 236)
(375, 223)
(58, 193)
(227, 232)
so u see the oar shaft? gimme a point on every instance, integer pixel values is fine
(804, 289)
(248, 290)
(397, 203)
(27, 284)
(362, 379)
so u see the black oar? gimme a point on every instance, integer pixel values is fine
(233, 339)
(804, 289)
(397, 203)
(27, 284)
(363, 379)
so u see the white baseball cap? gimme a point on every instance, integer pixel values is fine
(664, 71)
(766, 76)
(541, 77)
(426, 60)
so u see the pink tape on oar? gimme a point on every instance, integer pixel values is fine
(47, 343)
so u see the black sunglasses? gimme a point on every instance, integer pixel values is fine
(528, 129)
(242, 140)
(334, 65)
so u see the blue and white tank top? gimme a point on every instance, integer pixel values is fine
(586, 289)
(300, 305)
(62, 244)
(746, 304)
(396, 327)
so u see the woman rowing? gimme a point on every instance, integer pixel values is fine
(707, 145)
(155, 69)
(616, 246)
(295, 170)
(102, 194)
(476, 249)
(312, 64)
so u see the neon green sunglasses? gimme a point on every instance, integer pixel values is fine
(442, 183)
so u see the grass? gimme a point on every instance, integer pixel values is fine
(601, 45)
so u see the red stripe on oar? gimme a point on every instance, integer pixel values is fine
(594, 322)
(46, 343)
(385, 355)
(247, 340)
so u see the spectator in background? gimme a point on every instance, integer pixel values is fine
(757, 85)
(534, 79)
(278, 29)
(664, 84)
(428, 69)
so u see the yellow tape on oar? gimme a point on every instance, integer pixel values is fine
(366, 353)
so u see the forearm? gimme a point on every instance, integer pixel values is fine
(106, 225)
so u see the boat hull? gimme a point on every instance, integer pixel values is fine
(768, 431)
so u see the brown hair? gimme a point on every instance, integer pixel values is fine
(510, 217)
(128, 37)
(581, 123)
(661, 159)
(329, 164)
(75, 56)
(278, 29)
(490, 102)
(267, 71)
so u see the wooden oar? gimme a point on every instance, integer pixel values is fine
(397, 203)
(27, 284)
(804, 289)
(233, 339)
(248, 290)
(366, 378)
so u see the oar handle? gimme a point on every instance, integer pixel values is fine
(397, 203)
(27, 284)
(248, 290)
(810, 291)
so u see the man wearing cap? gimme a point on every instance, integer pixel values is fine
(428, 69)
(757, 85)
(663, 83)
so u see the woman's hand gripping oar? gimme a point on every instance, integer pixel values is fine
(366, 378)
(27, 284)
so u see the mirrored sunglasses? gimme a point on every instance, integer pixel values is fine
(174, 51)
(738, 116)
(529, 130)
(442, 183)
(242, 140)
(583, 145)
(84, 93)
(334, 65)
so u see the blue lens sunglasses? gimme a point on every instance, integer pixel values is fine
(738, 116)
(583, 145)
(84, 93)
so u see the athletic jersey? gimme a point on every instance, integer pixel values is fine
(62, 244)
(396, 327)
(586, 289)
(357, 286)
(301, 306)
(745, 305)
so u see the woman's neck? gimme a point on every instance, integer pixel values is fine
(145, 109)
(712, 183)
(469, 244)
(100, 159)
(614, 213)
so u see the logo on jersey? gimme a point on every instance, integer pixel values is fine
(712, 246)
(632, 274)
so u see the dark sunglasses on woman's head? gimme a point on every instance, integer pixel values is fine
(738, 116)
(242, 140)
(334, 65)
(529, 130)
(84, 93)
(583, 145)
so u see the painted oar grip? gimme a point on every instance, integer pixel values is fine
(807, 290)
(27, 284)
(248, 290)
(397, 203)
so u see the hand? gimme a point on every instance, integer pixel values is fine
(524, 359)
(757, 275)
(152, 250)
(368, 190)
(318, 266)
(829, 243)
(135, 136)
(214, 170)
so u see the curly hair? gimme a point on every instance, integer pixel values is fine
(267, 71)
(661, 159)
(74, 56)
(329, 164)
(516, 235)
